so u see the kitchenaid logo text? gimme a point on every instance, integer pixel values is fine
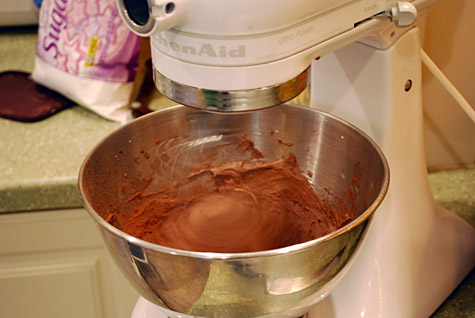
(57, 21)
(203, 49)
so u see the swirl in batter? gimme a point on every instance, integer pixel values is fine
(245, 206)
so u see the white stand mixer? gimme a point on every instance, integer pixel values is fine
(415, 253)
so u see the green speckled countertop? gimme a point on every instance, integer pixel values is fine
(39, 163)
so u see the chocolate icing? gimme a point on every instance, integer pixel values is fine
(240, 206)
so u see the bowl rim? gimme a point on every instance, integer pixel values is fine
(242, 255)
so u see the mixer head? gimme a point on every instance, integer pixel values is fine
(243, 55)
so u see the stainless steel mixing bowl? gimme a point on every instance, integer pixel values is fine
(284, 282)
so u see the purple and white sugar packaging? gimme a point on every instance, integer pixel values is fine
(87, 53)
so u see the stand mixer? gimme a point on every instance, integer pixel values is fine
(366, 69)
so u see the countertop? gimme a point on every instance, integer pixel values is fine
(39, 163)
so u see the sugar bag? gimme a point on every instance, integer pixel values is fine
(87, 53)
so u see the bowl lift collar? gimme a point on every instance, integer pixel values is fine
(415, 252)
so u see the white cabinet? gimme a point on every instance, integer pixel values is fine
(54, 264)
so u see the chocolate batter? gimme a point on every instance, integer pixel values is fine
(240, 206)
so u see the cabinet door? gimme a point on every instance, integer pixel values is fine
(54, 264)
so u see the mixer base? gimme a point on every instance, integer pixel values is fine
(145, 309)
